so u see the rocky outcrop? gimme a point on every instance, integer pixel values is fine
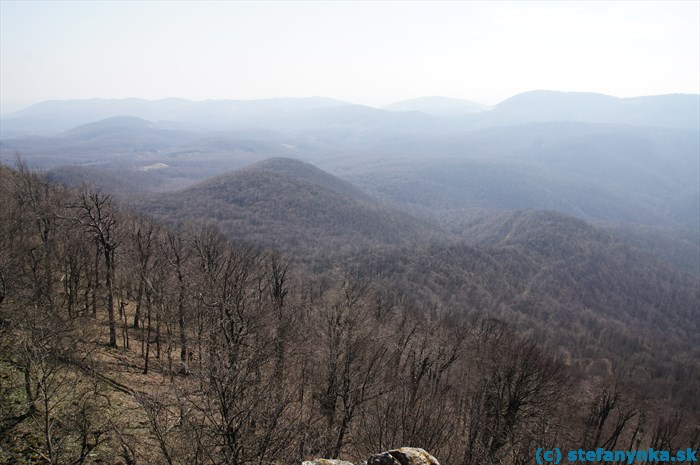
(403, 456)
(326, 462)
(400, 456)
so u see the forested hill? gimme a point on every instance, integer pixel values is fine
(307, 173)
(575, 287)
(292, 206)
(571, 285)
(125, 340)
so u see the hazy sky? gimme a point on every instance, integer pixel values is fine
(365, 52)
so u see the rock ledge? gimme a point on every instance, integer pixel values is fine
(400, 456)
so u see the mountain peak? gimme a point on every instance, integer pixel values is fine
(556, 99)
(307, 173)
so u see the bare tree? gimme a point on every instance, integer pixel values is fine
(178, 256)
(100, 220)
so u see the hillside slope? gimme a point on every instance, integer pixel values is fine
(310, 174)
(146, 354)
(558, 278)
(593, 171)
(292, 206)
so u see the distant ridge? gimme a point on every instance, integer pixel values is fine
(112, 124)
(438, 106)
(672, 110)
(336, 118)
(118, 129)
(59, 115)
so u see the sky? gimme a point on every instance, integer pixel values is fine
(371, 53)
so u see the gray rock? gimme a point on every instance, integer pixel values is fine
(326, 462)
(403, 456)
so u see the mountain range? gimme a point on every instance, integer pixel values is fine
(293, 115)
(630, 163)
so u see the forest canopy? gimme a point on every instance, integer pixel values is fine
(125, 337)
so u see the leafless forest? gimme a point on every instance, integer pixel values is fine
(128, 340)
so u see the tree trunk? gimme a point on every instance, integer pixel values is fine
(109, 278)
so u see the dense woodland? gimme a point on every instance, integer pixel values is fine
(126, 340)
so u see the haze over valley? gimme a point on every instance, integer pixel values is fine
(585, 156)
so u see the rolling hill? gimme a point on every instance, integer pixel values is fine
(559, 279)
(292, 206)
(523, 267)
(538, 300)
(673, 110)
(307, 173)
(549, 275)
(597, 172)
(54, 116)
